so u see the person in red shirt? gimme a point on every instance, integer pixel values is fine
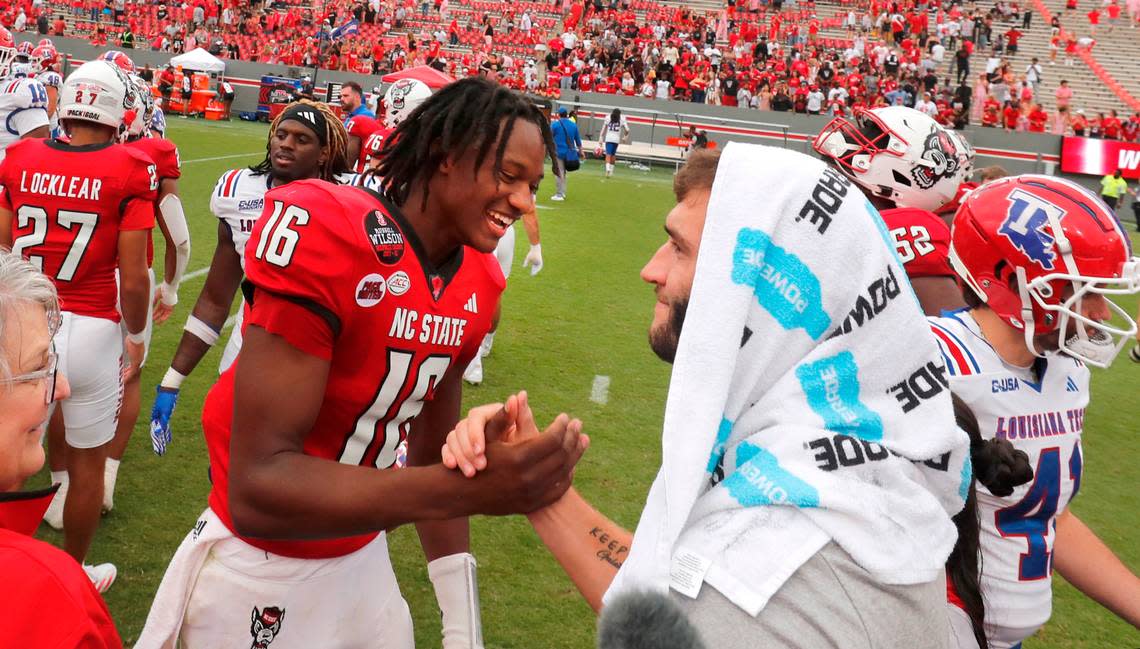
(1012, 36)
(1094, 20)
(1130, 130)
(364, 308)
(48, 600)
(1110, 126)
(991, 112)
(1113, 11)
(1037, 119)
(82, 229)
(1009, 115)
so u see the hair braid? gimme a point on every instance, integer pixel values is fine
(336, 139)
(471, 114)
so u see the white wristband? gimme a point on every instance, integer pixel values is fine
(173, 379)
(203, 331)
(136, 339)
(169, 294)
(457, 593)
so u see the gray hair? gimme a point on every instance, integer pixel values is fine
(22, 284)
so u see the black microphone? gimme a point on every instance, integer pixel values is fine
(646, 620)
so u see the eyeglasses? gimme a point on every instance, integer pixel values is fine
(47, 373)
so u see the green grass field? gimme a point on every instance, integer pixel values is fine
(584, 315)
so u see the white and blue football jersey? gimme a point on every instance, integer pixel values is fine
(237, 201)
(1040, 410)
(23, 108)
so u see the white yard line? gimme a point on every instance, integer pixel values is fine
(222, 157)
(600, 391)
(195, 274)
(230, 321)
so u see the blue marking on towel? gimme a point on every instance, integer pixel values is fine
(783, 283)
(831, 386)
(760, 480)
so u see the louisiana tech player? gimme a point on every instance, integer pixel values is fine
(909, 167)
(23, 101)
(1037, 256)
(358, 314)
(44, 61)
(305, 141)
(79, 211)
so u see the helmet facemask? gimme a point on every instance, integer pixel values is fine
(1108, 337)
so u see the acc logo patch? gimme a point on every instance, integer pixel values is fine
(1024, 226)
(371, 290)
(399, 283)
(385, 236)
(265, 626)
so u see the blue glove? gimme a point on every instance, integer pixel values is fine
(165, 400)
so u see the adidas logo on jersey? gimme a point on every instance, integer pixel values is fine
(1071, 385)
(471, 306)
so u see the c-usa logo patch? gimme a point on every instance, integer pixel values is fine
(1025, 223)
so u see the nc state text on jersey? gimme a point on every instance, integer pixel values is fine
(429, 329)
(60, 186)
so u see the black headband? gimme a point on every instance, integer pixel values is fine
(310, 117)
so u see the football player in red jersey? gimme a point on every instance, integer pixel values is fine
(80, 211)
(909, 167)
(295, 150)
(360, 123)
(364, 309)
(171, 220)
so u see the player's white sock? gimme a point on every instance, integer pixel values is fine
(54, 514)
(110, 474)
(474, 372)
(485, 346)
(609, 169)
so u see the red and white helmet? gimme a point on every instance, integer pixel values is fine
(899, 154)
(1021, 243)
(24, 50)
(7, 51)
(98, 91)
(402, 98)
(120, 59)
(44, 57)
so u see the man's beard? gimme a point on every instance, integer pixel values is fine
(663, 339)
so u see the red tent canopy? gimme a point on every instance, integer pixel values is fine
(429, 75)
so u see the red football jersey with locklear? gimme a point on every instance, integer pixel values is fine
(340, 274)
(70, 203)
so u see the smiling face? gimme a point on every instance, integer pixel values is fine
(671, 271)
(26, 345)
(295, 152)
(483, 202)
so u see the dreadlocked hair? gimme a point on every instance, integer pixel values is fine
(471, 114)
(336, 139)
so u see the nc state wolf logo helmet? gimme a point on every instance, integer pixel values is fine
(402, 98)
(1031, 247)
(265, 626)
(899, 154)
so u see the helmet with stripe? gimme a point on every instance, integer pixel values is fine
(1033, 247)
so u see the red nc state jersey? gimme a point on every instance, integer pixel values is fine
(339, 274)
(164, 154)
(361, 126)
(70, 203)
(922, 241)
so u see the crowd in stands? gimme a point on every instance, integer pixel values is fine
(761, 54)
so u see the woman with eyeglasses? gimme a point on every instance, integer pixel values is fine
(48, 600)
